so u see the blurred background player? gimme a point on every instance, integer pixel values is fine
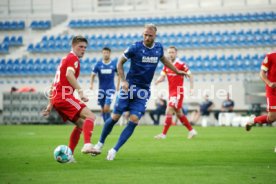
(161, 105)
(135, 88)
(268, 75)
(226, 106)
(176, 93)
(105, 70)
(203, 111)
(62, 99)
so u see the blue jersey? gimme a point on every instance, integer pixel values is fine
(144, 61)
(106, 73)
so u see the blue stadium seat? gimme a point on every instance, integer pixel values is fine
(4, 48)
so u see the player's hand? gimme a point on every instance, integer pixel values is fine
(180, 72)
(272, 84)
(125, 86)
(47, 111)
(84, 99)
(91, 87)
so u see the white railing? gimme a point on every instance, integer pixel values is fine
(93, 6)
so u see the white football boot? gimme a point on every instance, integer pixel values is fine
(192, 133)
(111, 154)
(160, 136)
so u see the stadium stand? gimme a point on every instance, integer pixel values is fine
(223, 45)
(12, 25)
(182, 20)
(40, 24)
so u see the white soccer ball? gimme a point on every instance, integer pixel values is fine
(63, 154)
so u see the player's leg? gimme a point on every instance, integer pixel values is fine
(137, 108)
(159, 113)
(151, 114)
(88, 126)
(125, 135)
(75, 135)
(101, 102)
(106, 112)
(107, 102)
(183, 119)
(119, 108)
(167, 123)
(264, 119)
(169, 116)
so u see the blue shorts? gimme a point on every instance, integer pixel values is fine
(105, 97)
(134, 101)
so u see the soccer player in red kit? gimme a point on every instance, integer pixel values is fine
(176, 93)
(62, 99)
(268, 75)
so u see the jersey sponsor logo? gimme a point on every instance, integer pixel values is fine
(106, 71)
(146, 59)
(76, 64)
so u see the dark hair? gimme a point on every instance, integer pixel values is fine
(106, 48)
(79, 38)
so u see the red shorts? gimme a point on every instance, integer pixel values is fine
(271, 103)
(176, 101)
(69, 108)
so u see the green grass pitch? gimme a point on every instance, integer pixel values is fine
(217, 155)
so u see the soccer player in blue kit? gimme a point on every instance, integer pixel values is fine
(135, 88)
(105, 70)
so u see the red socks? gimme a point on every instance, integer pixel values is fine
(88, 127)
(186, 123)
(168, 123)
(74, 138)
(261, 119)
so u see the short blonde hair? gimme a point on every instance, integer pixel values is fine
(173, 47)
(151, 26)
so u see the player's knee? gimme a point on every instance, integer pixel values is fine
(106, 110)
(178, 113)
(272, 116)
(115, 117)
(79, 123)
(86, 113)
(134, 118)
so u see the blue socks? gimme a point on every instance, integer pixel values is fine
(106, 116)
(108, 126)
(125, 135)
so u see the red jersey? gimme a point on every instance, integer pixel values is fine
(175, 81)
(269, 65)
(61, 84)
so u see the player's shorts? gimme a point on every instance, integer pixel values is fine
(69, 108)
(105, 97)
(271, 103)
(135, 101)
(176, 101)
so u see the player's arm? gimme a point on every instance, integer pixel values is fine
(118, 83)
(93, 75)
(168, 64)
(70, 76)
(265, 79)
(191, 78)
(121, 73)
(49, 107)
(161, 78)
